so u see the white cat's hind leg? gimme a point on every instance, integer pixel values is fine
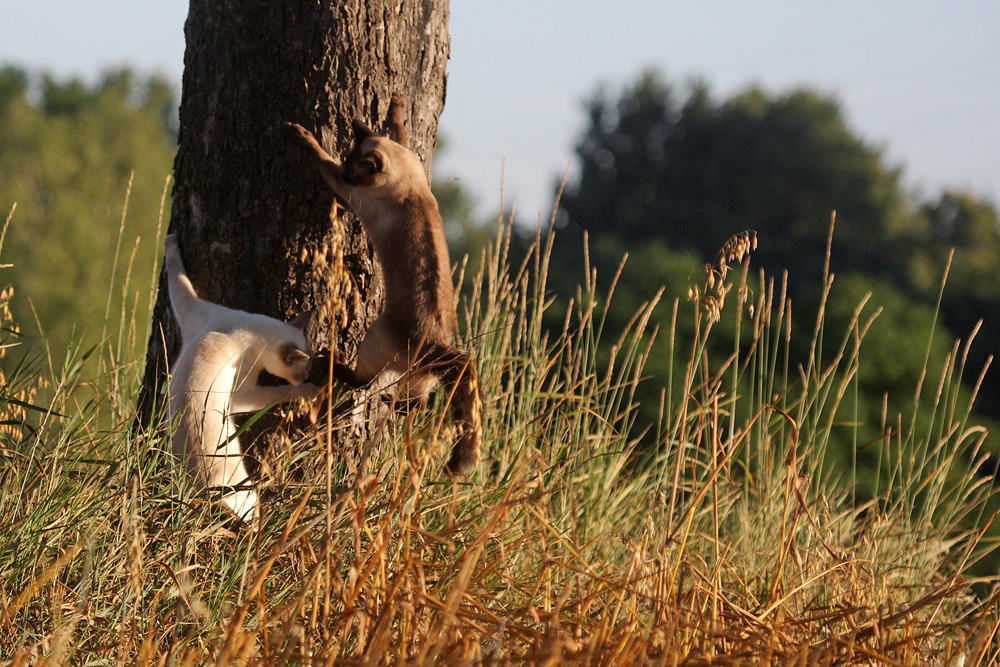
(244, 504)
(225, 469)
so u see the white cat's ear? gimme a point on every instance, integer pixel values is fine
(293, 355)
(301, 321)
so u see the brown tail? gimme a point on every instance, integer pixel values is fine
(457, 372)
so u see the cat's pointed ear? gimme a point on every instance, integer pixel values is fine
(301, 321)
(361, 131)
(293, 354)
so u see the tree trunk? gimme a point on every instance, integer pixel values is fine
(250, 212)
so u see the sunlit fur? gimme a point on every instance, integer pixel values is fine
(412, 339)
(222, 354)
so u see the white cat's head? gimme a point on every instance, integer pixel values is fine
(290, 357)
(378, 163)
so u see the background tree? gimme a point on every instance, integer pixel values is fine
(971, 226)
(466, 234)
(691, 171)
(249, 211)
(669, 174)
(67, 152)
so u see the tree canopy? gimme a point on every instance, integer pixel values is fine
(676, 165)
(68, 150)
(666, 170)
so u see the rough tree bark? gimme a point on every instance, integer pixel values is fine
(249, 211)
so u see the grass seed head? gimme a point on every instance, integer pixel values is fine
(712, 295)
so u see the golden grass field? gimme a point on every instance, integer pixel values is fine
(727, 543)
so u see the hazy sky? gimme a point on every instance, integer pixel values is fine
(921, 77)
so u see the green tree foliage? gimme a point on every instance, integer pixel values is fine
(67, 152)
(663, 171)
(901, 335)
(692, 171)
(971, 227)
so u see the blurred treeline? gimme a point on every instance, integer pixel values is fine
(68, 149)
(665, 172)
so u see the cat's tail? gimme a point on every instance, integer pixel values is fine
(457, 372)
(183, 298)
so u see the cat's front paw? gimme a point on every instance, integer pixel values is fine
(299, 134)
(307, 390)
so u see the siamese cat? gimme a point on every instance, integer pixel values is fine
(384, 183)
(222, 354)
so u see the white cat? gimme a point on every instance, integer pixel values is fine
(222, 354)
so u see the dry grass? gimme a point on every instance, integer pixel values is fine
(728, 545)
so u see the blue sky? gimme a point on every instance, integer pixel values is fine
(920, 78)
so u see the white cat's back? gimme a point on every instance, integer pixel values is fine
(195, 316)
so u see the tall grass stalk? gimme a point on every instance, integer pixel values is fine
(728, 541)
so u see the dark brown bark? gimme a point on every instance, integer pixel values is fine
(246, 205)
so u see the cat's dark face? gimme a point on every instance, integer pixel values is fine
(291, 359)
(366, 160)
(363, 169)
(295, 362)
(381, 167)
